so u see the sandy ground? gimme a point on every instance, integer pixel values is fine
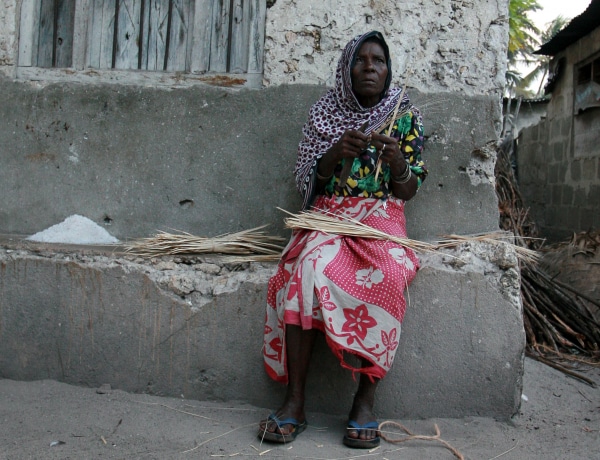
(559, 419)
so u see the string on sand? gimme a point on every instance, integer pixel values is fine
(411, 436)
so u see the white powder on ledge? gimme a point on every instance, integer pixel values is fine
(75, 230)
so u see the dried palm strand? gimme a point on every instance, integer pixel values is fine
(240, 259)
(245, 242)
(410, 436)
(339, 225)
(393, 119)
(328, 223)
(524, 253)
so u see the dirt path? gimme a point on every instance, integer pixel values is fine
(559, 419)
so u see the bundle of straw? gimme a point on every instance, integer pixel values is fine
(391, 125)
(244, 243)
(339, 225)
(523, 253)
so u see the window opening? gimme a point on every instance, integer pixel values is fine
(196, 36)
(587, 89)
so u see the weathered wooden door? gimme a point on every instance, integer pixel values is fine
(170, 35)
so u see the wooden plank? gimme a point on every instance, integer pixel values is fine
(101, 34)
(63, 33)
(256, 39)
(128, 34)
(28, 27)
(80, 33)
(220, 36)
(201, 35)
(189, 36)
(141, 77)
(240, 32)
(155, 34)
(45, 46)
(179, 36)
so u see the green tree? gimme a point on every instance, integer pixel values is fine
(522, 41)
(541, 64)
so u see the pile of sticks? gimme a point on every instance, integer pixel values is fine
(559, 325)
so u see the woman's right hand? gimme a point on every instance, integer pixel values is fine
(349, 145)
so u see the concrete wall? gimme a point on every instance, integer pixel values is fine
(194, 330)
(137, 158)
(203, 160)
(559, 171)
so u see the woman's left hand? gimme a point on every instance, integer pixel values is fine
(389, 152)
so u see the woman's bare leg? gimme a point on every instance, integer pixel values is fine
(362, 407)
(299, 344)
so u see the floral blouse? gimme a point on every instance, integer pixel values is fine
(408, 129)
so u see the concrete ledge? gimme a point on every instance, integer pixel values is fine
(195, 329)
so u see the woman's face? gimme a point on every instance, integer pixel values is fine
(369, 74)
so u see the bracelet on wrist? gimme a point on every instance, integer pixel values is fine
(404, 177)
(323, 177)
(402, 181)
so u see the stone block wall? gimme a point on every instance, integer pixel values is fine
(437, 46)
(8, 36)
(559, 174)
(561, 192)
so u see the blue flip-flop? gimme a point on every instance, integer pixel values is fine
(298, 428)
(357, 443)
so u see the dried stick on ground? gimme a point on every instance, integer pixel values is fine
(558, 326)
(410, 436)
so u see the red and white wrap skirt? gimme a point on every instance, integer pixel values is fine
(351, 289)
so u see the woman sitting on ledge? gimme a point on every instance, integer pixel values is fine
(360, 158)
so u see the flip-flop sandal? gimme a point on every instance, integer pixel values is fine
(357, 443)
(298, 428)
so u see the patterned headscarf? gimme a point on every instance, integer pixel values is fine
(339, 110)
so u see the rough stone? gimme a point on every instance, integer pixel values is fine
(97, 319)
(440, 45)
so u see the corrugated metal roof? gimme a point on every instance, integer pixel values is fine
(579, 27)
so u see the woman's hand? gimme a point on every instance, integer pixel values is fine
(389, 152)
(349, 145)
(405, 186)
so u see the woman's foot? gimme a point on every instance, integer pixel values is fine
(286, 420)
(283, 425)
(363, 430)
(290, 420)
(285, 412)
